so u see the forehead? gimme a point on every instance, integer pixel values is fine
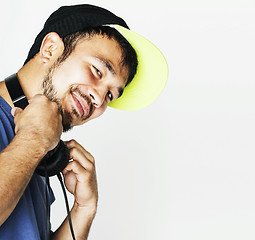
(101, 47)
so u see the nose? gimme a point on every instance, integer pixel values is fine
(97, 96)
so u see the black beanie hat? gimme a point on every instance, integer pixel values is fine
(70, 19)
(152, 70)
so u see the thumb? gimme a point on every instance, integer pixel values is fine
(15, 111)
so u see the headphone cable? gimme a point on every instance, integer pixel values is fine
(67, 205)
(47, 203)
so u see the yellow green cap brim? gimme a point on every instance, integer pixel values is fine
(151, 76)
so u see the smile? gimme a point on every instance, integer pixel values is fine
(81, 105)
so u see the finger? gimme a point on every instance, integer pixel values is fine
(38, 96)
(73, 144)
(81, 158)
(15, 111)
(76, 168)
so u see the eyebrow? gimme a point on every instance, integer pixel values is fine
(107, 64)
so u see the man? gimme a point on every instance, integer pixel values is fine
(78, 65)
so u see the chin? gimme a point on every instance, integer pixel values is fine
(70, 120)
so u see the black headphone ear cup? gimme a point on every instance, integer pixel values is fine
(54, 161)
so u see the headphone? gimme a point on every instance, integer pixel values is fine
(54, 162)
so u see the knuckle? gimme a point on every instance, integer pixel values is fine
(42, 98)
(91, 166)
(73, 151)
(74, 164)
(53, 105)
(92, 159)
(72, 142)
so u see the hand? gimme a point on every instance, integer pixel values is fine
(41, 119)
(80, 176)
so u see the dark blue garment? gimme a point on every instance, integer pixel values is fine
(28, 220)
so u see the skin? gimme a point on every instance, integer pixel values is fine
(83, 85)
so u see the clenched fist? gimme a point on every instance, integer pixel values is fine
(41, 119)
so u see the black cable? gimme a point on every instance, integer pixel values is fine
(47, 204)
(67, 206)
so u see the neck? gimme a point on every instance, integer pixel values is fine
(30, 78)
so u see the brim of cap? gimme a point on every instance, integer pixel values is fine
(151, 76)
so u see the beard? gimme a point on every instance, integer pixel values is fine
(51, 93)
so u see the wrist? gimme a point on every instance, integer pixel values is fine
(33, 143)
(86, 210)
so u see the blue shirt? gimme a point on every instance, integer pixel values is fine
(28, 219)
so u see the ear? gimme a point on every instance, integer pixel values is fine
(51, 46)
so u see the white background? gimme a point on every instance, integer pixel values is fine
(182, 168)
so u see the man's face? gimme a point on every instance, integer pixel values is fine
(85, 83)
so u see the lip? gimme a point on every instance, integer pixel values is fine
(81, 105)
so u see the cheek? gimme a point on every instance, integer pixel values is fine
(99, 111)
(61, 83)
(69, 73)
